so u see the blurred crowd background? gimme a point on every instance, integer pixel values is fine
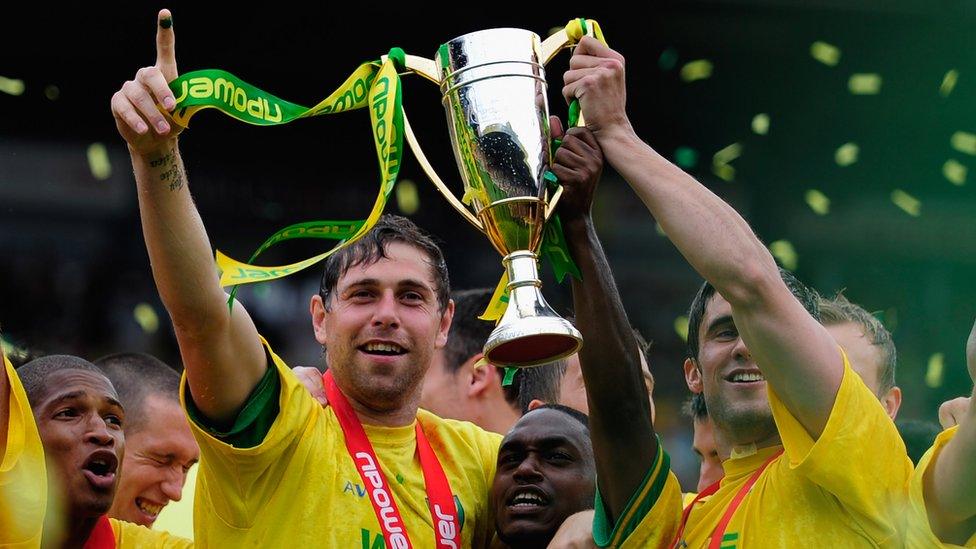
(842, 130)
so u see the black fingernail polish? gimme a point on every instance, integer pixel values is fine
(166, 22)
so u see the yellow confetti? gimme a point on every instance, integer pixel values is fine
(784, 252)
(146, 317)
(955, 172)
(818, 202)
(828, 54)
(699, 69)
(908, 203)
(11, 85)
(724, 171)
(681, 327)
(407, 198)
(948, 82)
(934, 373)
(52, 92)
(98, 162)
(760, 123)
(963, 142)
(847, 154)
(864, 84)
(728, 154)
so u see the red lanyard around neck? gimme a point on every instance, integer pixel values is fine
(102, 536)
(723, 524)
(443, 512)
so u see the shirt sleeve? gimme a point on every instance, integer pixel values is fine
(919, 531)
(650, 518)
(859, 458)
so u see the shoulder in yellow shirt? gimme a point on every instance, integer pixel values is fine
(844, 489)
(918, 532)
(135, 536)
(298, 486)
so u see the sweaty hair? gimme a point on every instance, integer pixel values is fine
(540, 383)
(372, 247)
(695, 408)
(137, 376)
(35, 374)
(839, 310)
(806, 296)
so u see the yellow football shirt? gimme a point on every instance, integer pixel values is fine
(918, 533)
(844, 489)
(299, 488)
(136, 536)
(23, 481)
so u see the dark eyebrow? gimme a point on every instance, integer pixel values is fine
(78, 394)
(724, 319)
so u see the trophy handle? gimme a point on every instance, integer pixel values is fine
(426, 68)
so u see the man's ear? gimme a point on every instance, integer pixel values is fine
(484, 376)
(317, 309)
(535, 404)
(892, 402)
(445, 326)
(693, 375)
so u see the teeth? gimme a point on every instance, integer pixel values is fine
(748, 377)
(384, 347)
(148, 508)
(527, 499)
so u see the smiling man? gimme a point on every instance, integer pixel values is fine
(160, 446)
(68, 414)
(277, 469)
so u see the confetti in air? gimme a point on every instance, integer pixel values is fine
(98, 162)
(864, 84)
(700, 69)
(934, 372)
(407, 198)
(828, 54)
(760, 123)
(785, 253)
(847, 154)
(817, 201)
(955, 172)
(908, 203)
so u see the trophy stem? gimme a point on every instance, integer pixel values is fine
(530, 333)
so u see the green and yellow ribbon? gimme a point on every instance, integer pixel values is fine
(373, 84)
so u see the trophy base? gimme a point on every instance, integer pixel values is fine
(532, 342)
(530, 333)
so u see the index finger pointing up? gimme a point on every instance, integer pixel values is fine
(166, 45)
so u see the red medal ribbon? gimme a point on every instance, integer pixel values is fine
(443, 512)
(102, 535)
(723, 524)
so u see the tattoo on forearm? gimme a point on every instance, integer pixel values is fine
(171, 171)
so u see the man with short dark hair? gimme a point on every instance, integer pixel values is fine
(62, 410)
(160, 448)
(703, 442)
(370, 469)
(790, 415)
(459, 384)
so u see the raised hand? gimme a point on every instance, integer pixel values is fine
(596, 78)
(136, 106)
(578, 164)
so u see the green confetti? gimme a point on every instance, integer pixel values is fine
(934, 373)
(828, 54)
(408, 201)
(52, 92)
(847, 154)
(955, 172)
(760, 123)
(785, 253)
(11, 86)
(146, 318)
(699, 69)
(98, 162)
(963, 142)
(908, 203)
(728, 154)
(817, 201)
(864, 84)
(681, 327)
(668, 59)
(686, 157)
(948, 82)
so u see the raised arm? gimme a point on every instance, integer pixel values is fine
(796, 354)
(221, 349)
(620, 413)
(950, 484)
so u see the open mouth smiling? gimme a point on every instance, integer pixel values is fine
(100, 468)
